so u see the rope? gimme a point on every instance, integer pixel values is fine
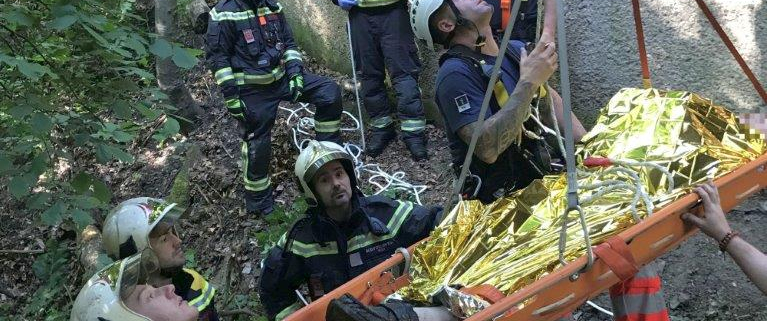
(354, 78)
(569, 148)
(301, 123)
(641, 44)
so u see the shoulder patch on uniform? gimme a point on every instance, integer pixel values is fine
(462, 102)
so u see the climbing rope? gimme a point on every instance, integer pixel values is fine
(301, 123)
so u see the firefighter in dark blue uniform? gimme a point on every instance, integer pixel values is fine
(383, 40)
(251, 51)
(342, 235)
(512, 149)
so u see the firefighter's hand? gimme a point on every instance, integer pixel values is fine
(537, 66)
(712, 221)
(347, 4)
(296, 87)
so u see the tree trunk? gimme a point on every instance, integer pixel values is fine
(197, 11)
(168, 78)
(89, 248)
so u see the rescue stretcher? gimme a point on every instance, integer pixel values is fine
(615, 260)
(558, 292)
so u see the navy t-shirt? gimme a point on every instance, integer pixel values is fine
(460, 90)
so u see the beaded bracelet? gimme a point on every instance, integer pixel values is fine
(726, 240)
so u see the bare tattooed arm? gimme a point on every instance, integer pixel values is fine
(499, 130)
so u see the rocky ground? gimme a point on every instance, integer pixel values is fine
(226, 245)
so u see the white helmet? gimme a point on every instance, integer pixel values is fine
(127, 227)
(420, 12)
(102, 297)
(316, 154)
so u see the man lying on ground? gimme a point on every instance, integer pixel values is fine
(147, 224)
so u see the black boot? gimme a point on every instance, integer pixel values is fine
(416, 143)
(259, 203)
(379, 139)
(347, 308)
(334, 137)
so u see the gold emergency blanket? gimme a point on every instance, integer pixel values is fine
(514, 241)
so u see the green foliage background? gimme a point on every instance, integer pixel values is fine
(78, 88)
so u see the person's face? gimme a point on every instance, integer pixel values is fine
(332, 185)
(478, 11)
(166, 245)
(159, 304)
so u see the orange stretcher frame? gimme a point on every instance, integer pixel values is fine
(556, 294)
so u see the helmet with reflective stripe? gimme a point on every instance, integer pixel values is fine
(313, 157)
(420, 12)
(102, 297)
(127, 227)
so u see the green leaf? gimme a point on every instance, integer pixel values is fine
(124, 84)
(134, 44)
(10, 61)
(81, 182)
(38, 201)
(86, 202)
(20, 111)
(121, 136)
(32, 70)
(148, 113)
(136, 71)
(18, 17)
(101, 191)
(105, 153)
(171, 126)
(41, 124)
(96, 36)
(19, 186)
(62, 22)
(52, 215)
(5, 163)
(38, 164)
(65, 10)
(182, 58)
(161, 48)
(122, 109)
(81, 218)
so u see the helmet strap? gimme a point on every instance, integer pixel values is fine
(461, 21)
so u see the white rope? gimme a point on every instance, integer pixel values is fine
(301, 123)
(600, 309)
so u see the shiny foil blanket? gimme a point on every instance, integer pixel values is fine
(514, 241)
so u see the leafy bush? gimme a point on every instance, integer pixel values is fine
(76, 89)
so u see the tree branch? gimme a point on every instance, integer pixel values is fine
(36, 251)
(34, 47)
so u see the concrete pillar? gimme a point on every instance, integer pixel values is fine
(684, 51)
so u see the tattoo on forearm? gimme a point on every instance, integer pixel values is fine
(501, 129)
